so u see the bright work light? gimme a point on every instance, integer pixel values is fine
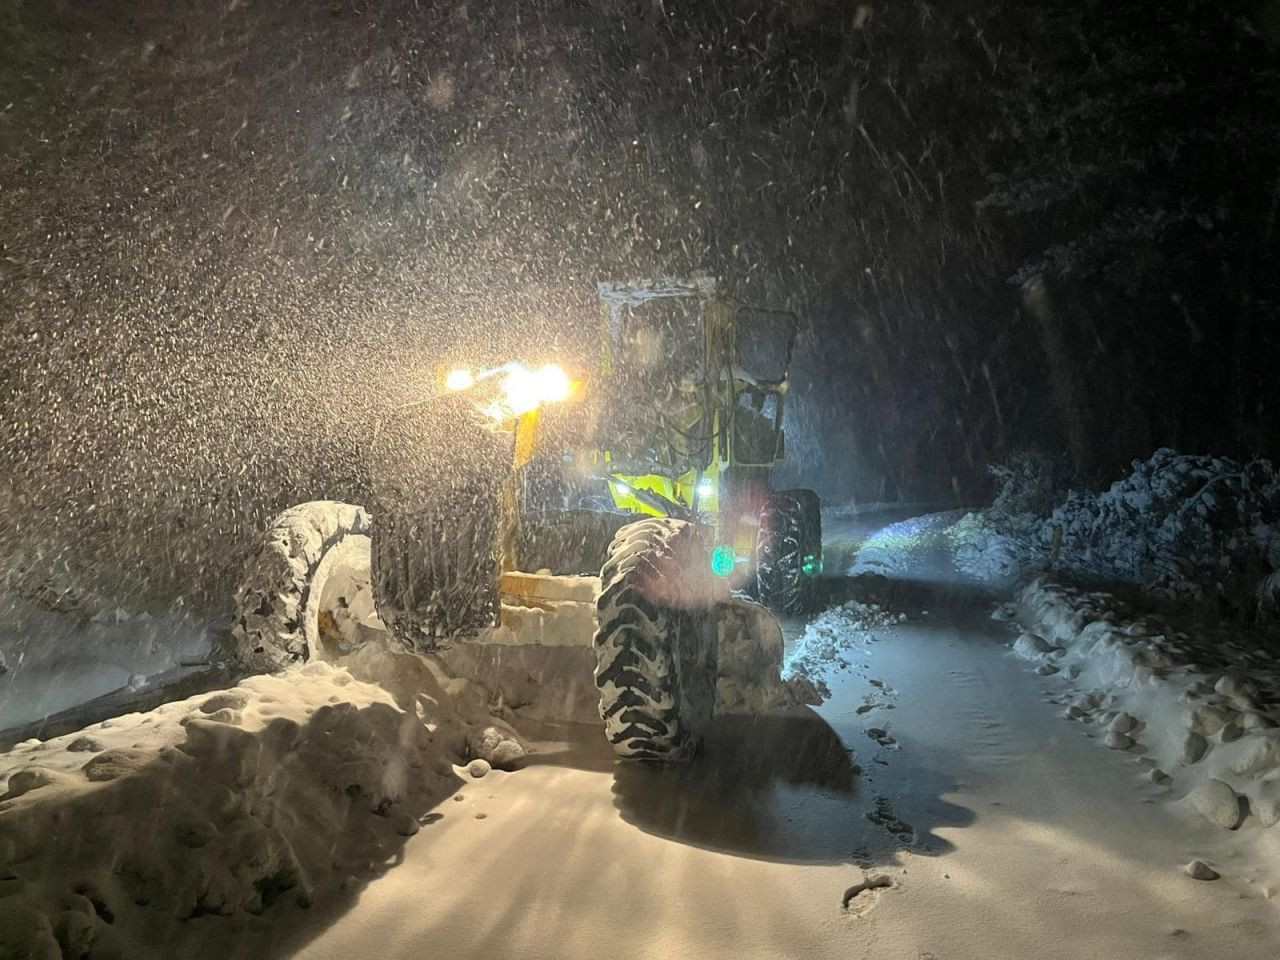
(521, 389)
(460, 379)
(553, 384)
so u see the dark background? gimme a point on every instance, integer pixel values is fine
(231, 233)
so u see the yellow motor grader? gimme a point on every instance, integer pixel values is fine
(631, 506)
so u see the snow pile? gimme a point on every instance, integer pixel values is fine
(1187, 523)
(1194, 526)
(995, 551)
(1027, 483)
(751, 676)
(998, 543)
(259, 801)
(1200, 709)
(832, 634)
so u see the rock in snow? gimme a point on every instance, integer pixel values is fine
(1118, 741)
(405, 824)
(1122, 723)
(31, 778)
(1193, 749)
(1199, 870)
(497, 744)
(112, 764)
(1030, 647)
(1211, 718)
(1261, 755)
(1236, 687)
(1266, 809)
(1253, 720)
(507, 754)
(1217, 803)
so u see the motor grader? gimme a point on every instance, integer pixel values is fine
(630, 507)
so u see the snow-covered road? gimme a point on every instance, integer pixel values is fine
(1006, 831)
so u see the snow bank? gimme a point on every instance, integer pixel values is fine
(997, 544)
(70, 634)
(54, 657)
(1201, 709)
(997, 553)
(1196, 527)
(259, 800)
(1185, 523)
(213, 821)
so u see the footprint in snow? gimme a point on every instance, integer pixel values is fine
(878, 882)
(882, 814)
(881, 737)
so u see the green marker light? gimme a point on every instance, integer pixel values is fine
(722, 561)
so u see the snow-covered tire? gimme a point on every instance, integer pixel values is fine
(788, 550)
(655, 641)
(276, 616)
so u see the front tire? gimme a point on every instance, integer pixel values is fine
(314, 559)
(655, 641)
(789, 550)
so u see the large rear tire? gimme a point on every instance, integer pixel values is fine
(313, 561)
(789, 550)
(438, 475)
(655, 641)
